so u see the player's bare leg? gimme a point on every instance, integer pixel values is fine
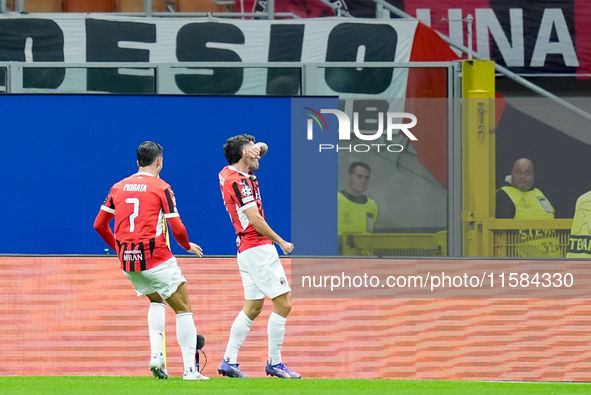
(282, 304)
(179, 300)
(186, 333)
(156, 324)
(238, 332)
(276, 333)
(252, 308)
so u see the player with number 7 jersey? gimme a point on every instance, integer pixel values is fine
(142, 201)
(140, 204)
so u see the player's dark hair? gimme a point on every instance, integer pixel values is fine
(234, 146)
(147, 153)
(355, 165)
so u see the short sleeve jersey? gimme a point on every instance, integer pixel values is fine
(241, 191)
(140, 203)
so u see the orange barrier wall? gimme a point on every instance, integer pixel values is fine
(80, 316)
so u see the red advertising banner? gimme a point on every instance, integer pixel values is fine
(80, 316)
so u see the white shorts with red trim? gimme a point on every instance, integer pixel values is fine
(262, 273)
(164, 278)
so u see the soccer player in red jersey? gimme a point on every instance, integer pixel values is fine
(139, 204)
(260, 268)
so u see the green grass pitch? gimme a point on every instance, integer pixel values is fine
(220, 385)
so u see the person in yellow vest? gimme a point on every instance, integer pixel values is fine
(356, 212)
(579, 245)
(518, 200)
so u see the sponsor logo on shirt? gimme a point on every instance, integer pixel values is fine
(132, 255)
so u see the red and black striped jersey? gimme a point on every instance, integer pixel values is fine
(140, 203)
(241, 191)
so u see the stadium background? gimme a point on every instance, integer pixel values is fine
(65, 324)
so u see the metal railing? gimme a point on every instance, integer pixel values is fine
(161, 78)
(339, 10)
(526, 238)
(394, 244)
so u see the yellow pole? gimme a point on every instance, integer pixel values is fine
(478, 152)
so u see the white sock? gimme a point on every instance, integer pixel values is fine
(275, 332)
(238, 333)
(156, 320)
(186, 334)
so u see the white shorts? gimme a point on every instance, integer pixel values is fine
(262, 273)
(164, 279)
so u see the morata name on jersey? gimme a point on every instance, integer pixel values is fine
(135, 187)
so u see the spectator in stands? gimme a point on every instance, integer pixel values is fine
(356, 212)
(518, 200)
